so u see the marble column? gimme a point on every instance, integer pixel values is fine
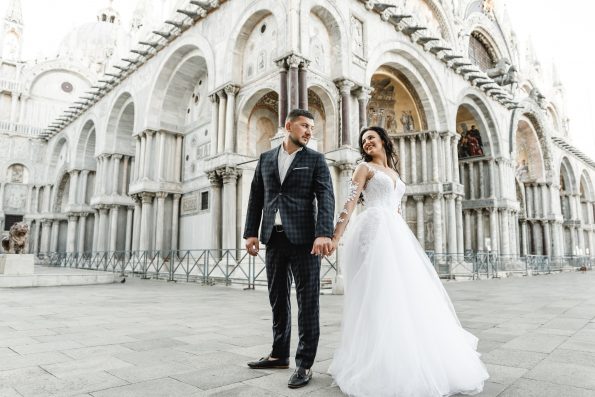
(282, 93)
(83, 192)
(149, 158)
(529, 201)
(546, 208)
(137, 222)
(413, 157)
(524, 237)
(55, 233)
(141, 158)
(451, 222)
(129, 220)
(419, 202)
(74, 177)
(424, 158)
(472, 182)
(95, 247)
(37, 195)
(160, 222)
(505, 232)
(29, 204)
(175, 221)
(178, 161)
(71, 234)
(303, 84)
(459, 218)
(125, 167)
(230, 130)
(160, 149)
(494, 229)
(402, 160)
(345, 87)
(146, 227)
(480, 232)
(437, 209)
(468, 240)
(221, 123)
(363, 96)
(216, 204)
(435, 172)
(137, 153)
(294, 91)
(492, 178)
(81, 232)
(404, 207)
(113, 226)
(547, 236)
(556, 231)
(455, 157)
(447, 156)
(213, 129)
(102, 229)
(115, 172)
(230, 179)
(46, 229)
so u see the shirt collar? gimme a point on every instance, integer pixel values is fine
(287, 153)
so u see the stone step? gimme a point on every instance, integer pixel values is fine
(45, 276)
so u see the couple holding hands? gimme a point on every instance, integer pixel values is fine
(400, 333)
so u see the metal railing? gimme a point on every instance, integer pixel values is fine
(207, 266)
(235, 266)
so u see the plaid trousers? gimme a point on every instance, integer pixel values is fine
(285, 261)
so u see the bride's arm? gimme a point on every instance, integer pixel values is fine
(356, 185)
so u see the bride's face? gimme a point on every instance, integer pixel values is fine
(372, 144)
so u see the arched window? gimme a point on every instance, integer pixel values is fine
(480, 52)
(18, 173)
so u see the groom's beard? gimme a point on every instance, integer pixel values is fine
(296, 142)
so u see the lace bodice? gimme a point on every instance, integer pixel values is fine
(380, 191)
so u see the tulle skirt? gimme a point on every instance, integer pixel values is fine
(400, 334)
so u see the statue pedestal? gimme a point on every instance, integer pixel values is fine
(16, 264)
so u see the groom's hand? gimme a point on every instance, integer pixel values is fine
(252, 245)
(323, 246)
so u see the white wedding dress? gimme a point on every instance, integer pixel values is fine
(400, 334)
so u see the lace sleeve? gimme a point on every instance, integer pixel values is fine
(355, 187)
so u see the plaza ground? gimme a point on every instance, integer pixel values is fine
(154, 338)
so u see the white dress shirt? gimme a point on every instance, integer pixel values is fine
(284, 160)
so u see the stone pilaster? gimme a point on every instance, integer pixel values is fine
(363, 96)
(437, 209)
(345, 87)
(419, 205)
(146, 227)
(216, 204)
(230, 131)
(230, 180)
(159, 224)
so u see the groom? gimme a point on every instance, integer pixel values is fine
(293, 194)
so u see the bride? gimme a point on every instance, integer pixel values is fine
(400, 334)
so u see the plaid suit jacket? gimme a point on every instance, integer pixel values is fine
(305, 199)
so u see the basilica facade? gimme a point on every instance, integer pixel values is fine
(145, 138)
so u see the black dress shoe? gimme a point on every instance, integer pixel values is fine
(267, 363)
(300, 378)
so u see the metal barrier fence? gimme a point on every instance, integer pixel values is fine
(207, 266)
(210, 266)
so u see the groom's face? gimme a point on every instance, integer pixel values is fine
(300, 130)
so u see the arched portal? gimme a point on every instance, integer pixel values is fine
(257, 123)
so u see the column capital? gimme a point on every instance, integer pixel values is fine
(449, 196)
(147, 197)
(231, 89)
(161, 195)
(345, 86)
(213, 97)
(364, 92)
(422, 137)
(149, 132)
(214, 178)
(436, 195)
(434, 134)
(73, 217)
(345, 166)
(478, 210)
(177, 196)
(117, 156)
(73, 172)
(418, 198)
(293, 61)
(229, 174)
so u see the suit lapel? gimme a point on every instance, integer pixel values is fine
(297, 157)
(275, 160)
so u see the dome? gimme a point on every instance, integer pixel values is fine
(94, 42)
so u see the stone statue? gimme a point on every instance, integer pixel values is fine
(17, 241)
(407, 121)
(504, 73)
(538, 97)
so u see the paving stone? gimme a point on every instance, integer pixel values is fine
(9, 392)
(564, 374)
(490, 389)
(535, 342)
(213, 377)
(88, 364)
(241, 390)
(573, 357)
(513, 358)
(532, 388)
(141, 373)
(165, 387)
(572, 324)
(70, 385)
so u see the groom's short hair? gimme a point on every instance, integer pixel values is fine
(295, 113)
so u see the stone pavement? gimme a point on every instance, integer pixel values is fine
(153, 338)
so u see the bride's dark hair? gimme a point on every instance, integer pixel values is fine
(389, 148)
